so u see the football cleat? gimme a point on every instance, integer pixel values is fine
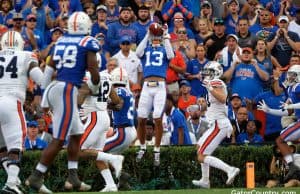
(83, 186)
(201, 183)
(232, 174)
(110, 188)
(10, 190)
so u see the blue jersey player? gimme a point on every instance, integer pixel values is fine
(292, 131)
(124, 130)
(155, 53)
(74, 53)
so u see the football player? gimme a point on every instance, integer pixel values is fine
(220, 126)
(124, 131)
(74, 53)
(155, 52)
(16, 66)
(292, 131)
(96, 126)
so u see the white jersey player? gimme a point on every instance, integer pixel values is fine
(92, 142)
(15, 67)
(220, 126)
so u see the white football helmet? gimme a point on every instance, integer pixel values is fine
(293, 75)
(212, 70)
(119, 76)
(79, 23)
(12, 40)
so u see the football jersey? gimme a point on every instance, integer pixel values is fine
(69, 56)
(155, 62)
(99, 101)
(124, 117)
(216, 109)
(14, 72)
(294, 96)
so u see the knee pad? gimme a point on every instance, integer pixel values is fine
(13, 160)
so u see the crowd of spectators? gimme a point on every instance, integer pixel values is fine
(228, 31)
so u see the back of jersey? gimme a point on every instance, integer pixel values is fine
(70, 57)
(155, 62)
(99, 102)
(14, 67)
(124, 117)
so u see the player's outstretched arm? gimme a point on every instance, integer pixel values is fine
(49, 70)
(143, 44)
(35, 73)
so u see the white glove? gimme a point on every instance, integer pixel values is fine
(263, 106)
(207, 85)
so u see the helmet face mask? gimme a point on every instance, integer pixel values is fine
(212, 70)
(79, 23)
(293, 75)
(12, 40)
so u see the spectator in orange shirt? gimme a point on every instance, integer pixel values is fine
(185, 99)
(177, 66)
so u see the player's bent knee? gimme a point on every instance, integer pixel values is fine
(201, 158)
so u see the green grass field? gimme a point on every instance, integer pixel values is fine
(294, 190)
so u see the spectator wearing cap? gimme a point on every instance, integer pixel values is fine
(32, 141)
(239, 124)
(246, 76)
(193, 72)
(246, 38)
(103, 52)
(235, 103)
(294, 25)
(206, 10)
(185, 98)
(121, 28)
(27, 34)
(177, 123)
(231, 16)
(113, 11)
(55, 33)
(264, 28)
(178, 21)
(173, 6)
(217, 40)
(143, 22)
(6, 14)
(62, 21)
(101, 25)
(230, 53)
(272, 122)
(129, 61)
(45, 15)
(283, 42)
(39, 37)
(251, 136)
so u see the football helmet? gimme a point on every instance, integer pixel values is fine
(79, 23)
(212, 70)
(293, 75)
(119, 76)
(12, 40)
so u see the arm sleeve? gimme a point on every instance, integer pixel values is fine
(169, 49)
(37, 75)
(47, 76)
(278, 112)
(141, 47)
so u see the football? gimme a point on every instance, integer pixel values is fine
(156, 29)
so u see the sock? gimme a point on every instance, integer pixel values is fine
(216, 163)
(156, 149)
(205, 172)
(105, 157)
(143, 147)
(72, 164)
(41, 167)
(106, 174)
(288, 158)
(12, 175)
